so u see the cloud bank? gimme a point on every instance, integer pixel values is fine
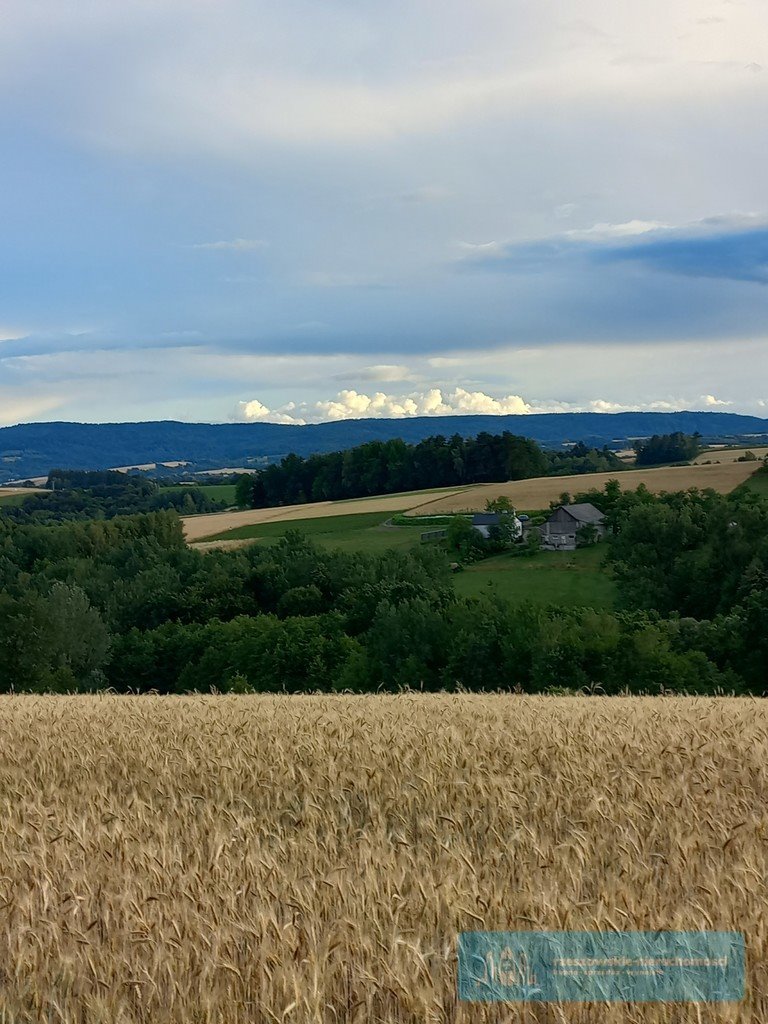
(351, 405)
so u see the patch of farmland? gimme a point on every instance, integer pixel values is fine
(538, 492)
(313, 858)
(222, 544)
(729, 454)
(370, 532)
(759, 483)
(15, 495)
(216, 492)
(213, 525)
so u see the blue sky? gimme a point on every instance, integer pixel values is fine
(293, 211)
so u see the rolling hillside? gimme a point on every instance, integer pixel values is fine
(525, 494)
(32, 449)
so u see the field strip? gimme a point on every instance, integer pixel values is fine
(726, 455)
(199, 527)
(539, 491)
(222, 545)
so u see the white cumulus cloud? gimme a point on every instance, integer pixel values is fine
(256, 412)
(350, 404)
(433, 402)
(478, 402)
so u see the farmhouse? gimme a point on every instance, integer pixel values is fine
(484, 522)
(561, 528)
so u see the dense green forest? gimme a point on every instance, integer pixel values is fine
(388, 467)
(125, 603)
(666, 448)
(80, 495)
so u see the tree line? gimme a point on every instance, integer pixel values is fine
(388, 467)
(664, 448)
(83, 495)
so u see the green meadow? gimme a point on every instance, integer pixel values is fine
(216, 492)
(575, 578)
(758, 482)
(362, 532)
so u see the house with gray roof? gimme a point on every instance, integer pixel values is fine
(484, 522)
(561, 529)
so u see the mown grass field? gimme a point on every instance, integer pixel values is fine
(573, 578)
(216, 492)
(363, 532)
(759, 483)
(223, 860)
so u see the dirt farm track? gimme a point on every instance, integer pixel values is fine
(526, 494)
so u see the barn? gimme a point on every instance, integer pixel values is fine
(562, 527)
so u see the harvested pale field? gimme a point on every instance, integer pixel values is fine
(9, 492)
(171, 860)
(15, 495)
(540, 491)
(729, 454)
(222, 544)
(626, 454)
(199, 527)
(222, 471)
(37, 481)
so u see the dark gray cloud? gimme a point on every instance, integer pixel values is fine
(714, 248)
(731, 256)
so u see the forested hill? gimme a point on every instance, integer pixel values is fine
(32, 449)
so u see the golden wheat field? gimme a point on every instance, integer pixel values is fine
(538, 492)
(312, 859)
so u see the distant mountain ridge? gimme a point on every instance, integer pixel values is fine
(32, 449)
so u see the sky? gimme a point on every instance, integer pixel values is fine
(297, 211)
